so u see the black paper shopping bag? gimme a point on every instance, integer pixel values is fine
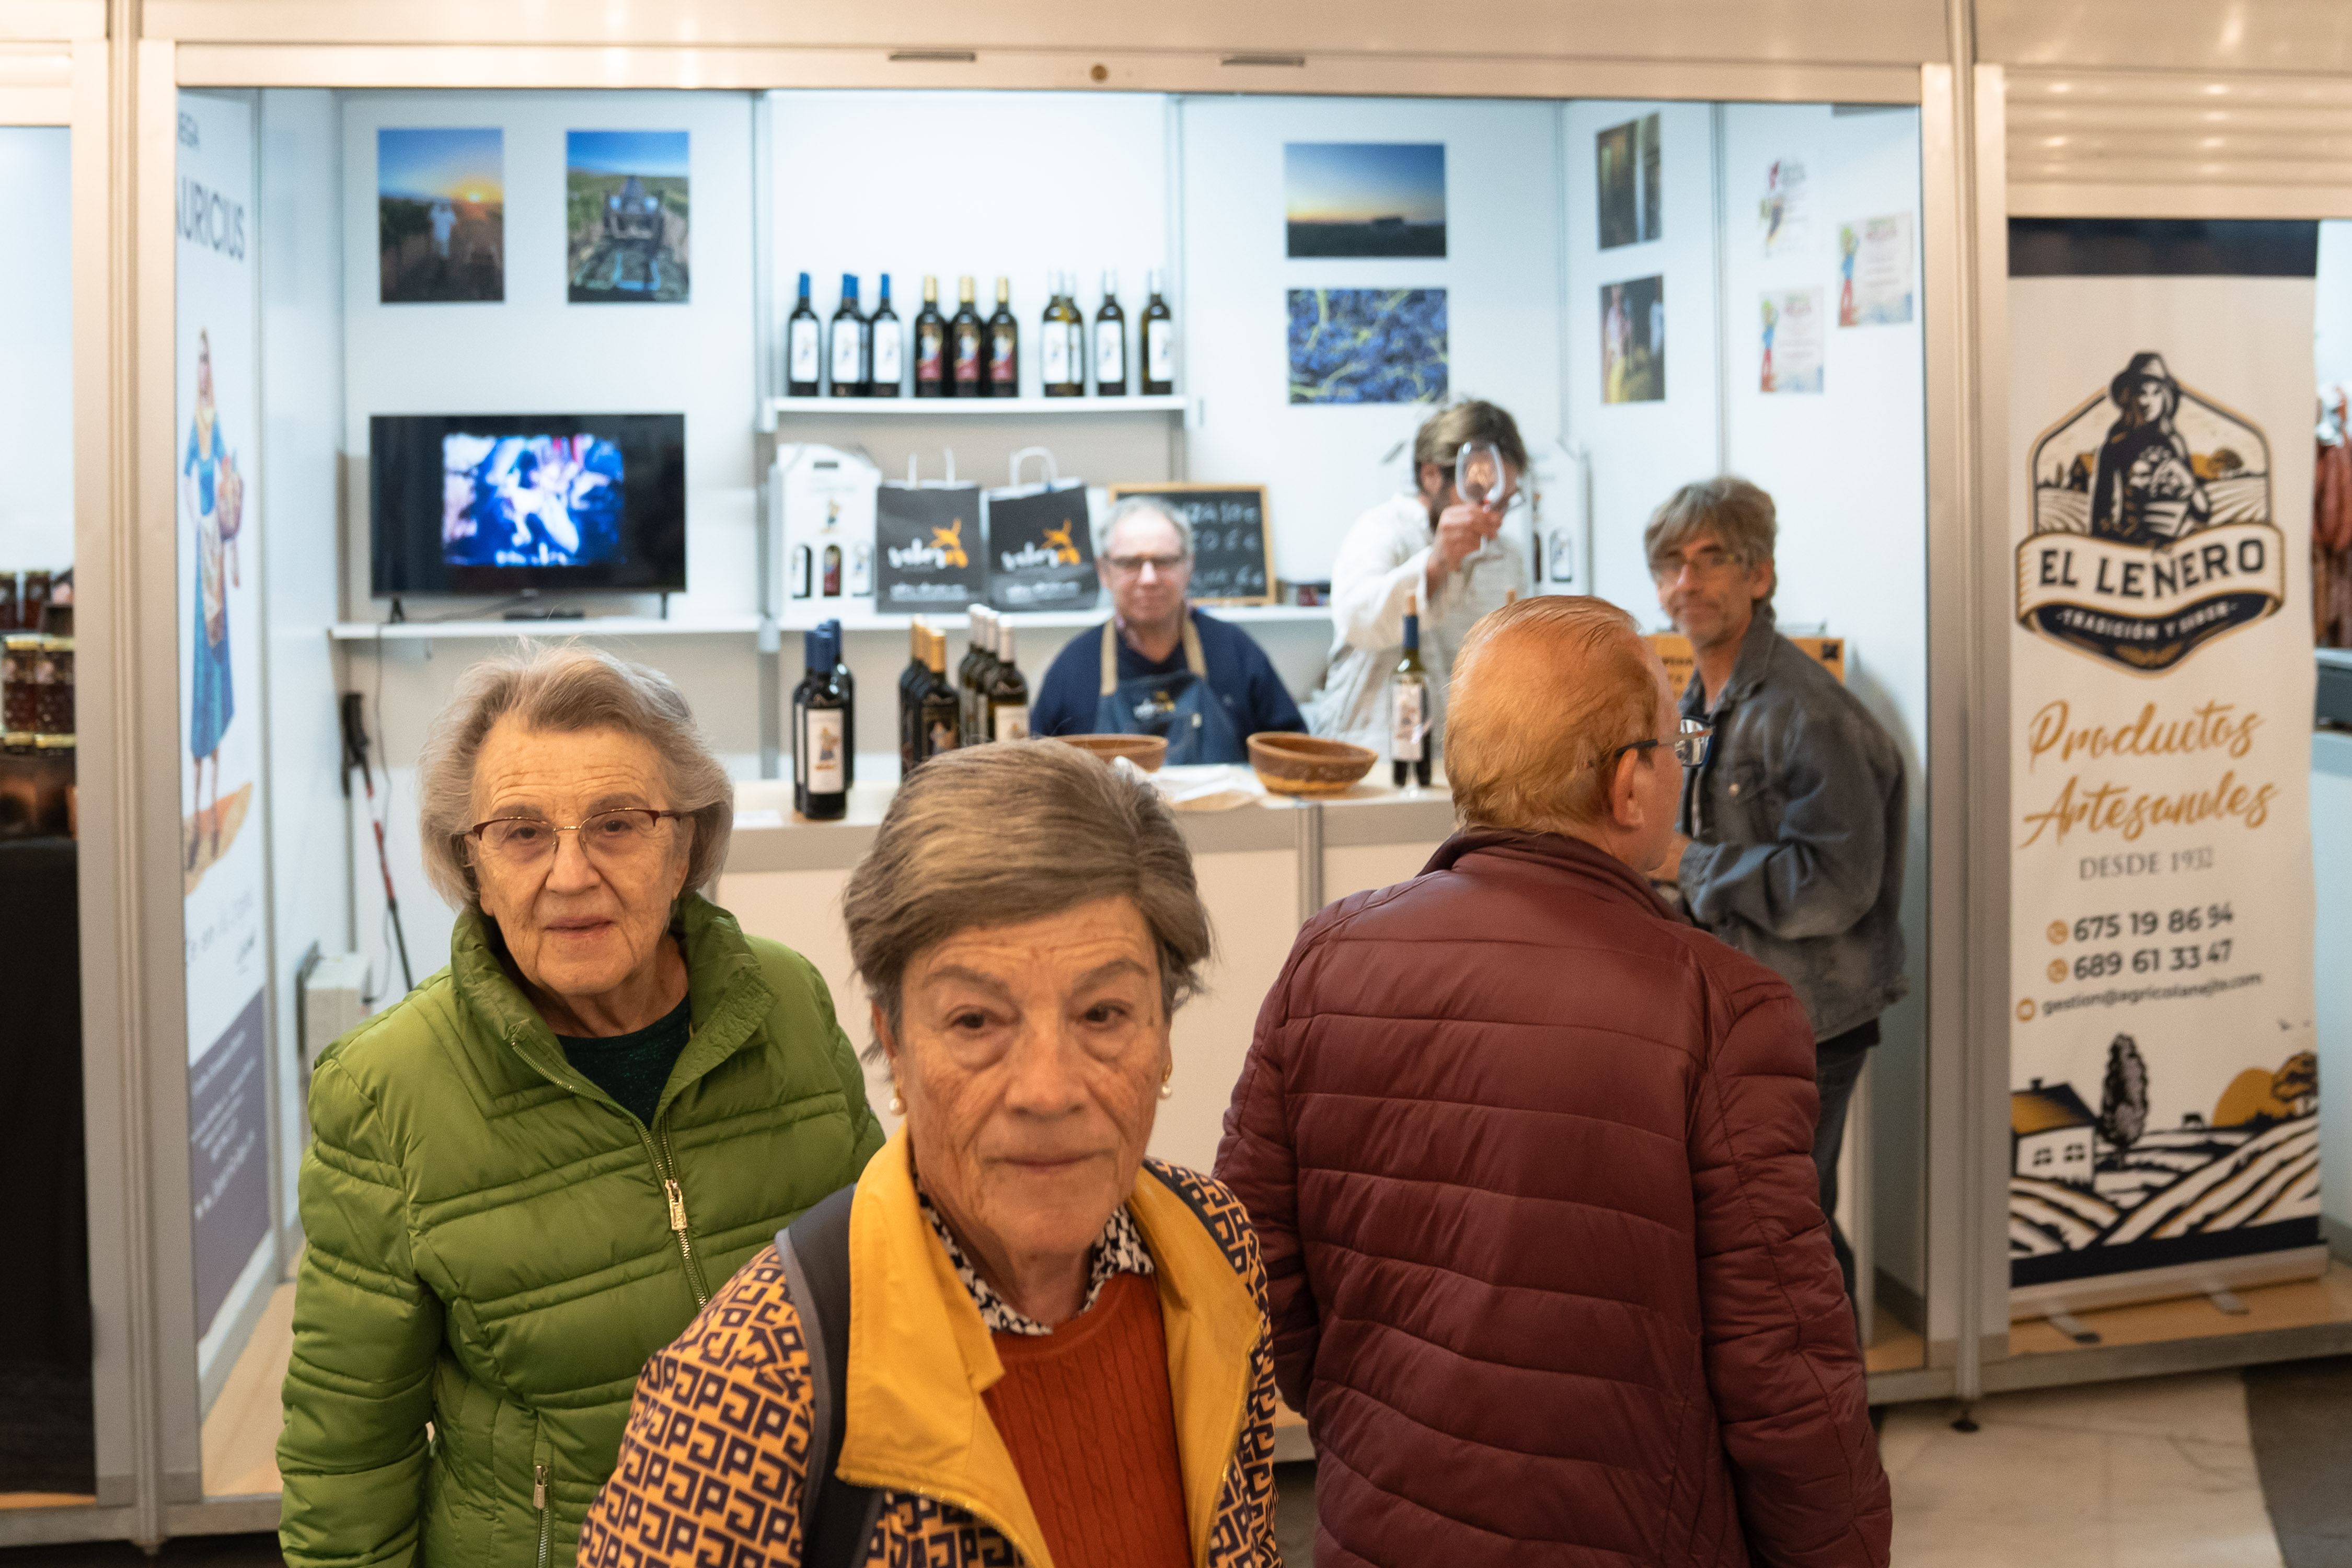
(927, 549)
(1041, 549)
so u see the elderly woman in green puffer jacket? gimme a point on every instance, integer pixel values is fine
(529, 1175)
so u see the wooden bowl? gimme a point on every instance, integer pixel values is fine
(1146, 751)
(1307, 765)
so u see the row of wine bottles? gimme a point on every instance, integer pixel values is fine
(987, 700)
(963, 355)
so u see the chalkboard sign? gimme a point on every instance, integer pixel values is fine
(1232, 554)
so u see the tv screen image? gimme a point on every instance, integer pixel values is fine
(530, 500)
(505, 503)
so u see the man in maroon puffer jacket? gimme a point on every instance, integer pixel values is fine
(1531, 1165)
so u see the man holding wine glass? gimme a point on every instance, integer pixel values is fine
(1451, 551)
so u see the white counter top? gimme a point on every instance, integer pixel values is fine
(769, 837)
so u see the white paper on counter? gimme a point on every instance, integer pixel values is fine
(1208, 787)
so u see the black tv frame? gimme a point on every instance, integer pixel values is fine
(405, 454)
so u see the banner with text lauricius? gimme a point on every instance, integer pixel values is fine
(2164, 1094)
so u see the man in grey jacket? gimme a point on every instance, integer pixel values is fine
(1791, 833)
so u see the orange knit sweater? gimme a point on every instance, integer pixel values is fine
(1087, 1412)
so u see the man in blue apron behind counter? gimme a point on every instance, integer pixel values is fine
(1160, 667)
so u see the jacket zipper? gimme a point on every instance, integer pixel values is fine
(539, 1501)
(674, 1197)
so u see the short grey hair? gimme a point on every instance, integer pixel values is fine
(1145, 506)
(564, 687)
(998, 835)
(1740, 514)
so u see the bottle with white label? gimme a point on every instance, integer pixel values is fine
(1158, 343)
(802, 361)
(853, 345)
(820, 736)
(844, 685)
(1008, 692)
(1074, 323)
(1110, 342)
(1057, 376)
(1409, 712)
(889, 346)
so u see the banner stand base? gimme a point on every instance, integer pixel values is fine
(2220, 1276)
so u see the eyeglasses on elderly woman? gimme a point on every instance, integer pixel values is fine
(621, 834)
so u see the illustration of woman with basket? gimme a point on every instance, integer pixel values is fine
(214, 496)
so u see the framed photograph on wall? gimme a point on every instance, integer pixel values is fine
(1633, 340)
(1364, 198)
(625, 212)
(1627, 161)
(1368, 345)
(441, 213)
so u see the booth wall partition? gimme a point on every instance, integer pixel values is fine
(2212, 144)
(289, 99)
(88, 1434)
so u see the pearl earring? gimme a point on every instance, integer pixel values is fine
(898, 1101)
(1167, 1085)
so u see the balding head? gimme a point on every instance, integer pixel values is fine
(1543, 691)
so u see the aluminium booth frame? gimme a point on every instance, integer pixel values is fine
(120, 97)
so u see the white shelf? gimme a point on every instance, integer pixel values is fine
(778, 408)
(803, 615)
(589, 626)
(799, 617)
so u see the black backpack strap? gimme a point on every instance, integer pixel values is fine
(837, 1519)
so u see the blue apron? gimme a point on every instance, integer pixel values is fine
(1178, 705)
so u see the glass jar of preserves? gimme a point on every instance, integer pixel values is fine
(53, 681)
(20, 696)
(33, 602)
(8, 622)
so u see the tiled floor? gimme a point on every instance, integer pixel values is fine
(2153, 1473)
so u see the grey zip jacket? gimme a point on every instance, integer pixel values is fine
(1798, 830)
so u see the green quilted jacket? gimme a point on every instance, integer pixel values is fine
(496, 1246)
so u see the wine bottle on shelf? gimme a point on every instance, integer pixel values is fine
(1076, 326)
(1052, 345)
(853, 347)
(889, 353)
(830, 585)
(941, 716)
(1066, 344)
(911, 682)
(931, 345)
(1003, 345)
(844, 685)
(984, 672)
(803, 358)
(968, 672)
(967, 347)
(803, 584)
(820, 736)
(1008, 692)
(1409, 710)
(1158, 343)
(1110, 342)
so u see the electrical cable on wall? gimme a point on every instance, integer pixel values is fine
(355, 756)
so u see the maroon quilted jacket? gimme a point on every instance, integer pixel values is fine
(1531, 1164)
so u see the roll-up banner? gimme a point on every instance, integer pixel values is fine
(216, 468)
(2164, 1096)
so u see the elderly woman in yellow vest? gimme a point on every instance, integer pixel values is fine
(1055, 1350)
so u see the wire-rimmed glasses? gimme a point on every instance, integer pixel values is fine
(609, 838)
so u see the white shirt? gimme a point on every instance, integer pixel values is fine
(1382, 564)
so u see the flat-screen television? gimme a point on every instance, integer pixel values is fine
(497, 503)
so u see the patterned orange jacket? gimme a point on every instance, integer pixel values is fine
(713, 1467)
